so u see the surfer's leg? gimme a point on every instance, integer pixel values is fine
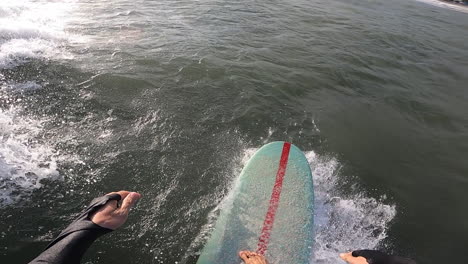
(250, 257)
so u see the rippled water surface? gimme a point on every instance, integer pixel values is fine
(171, 98)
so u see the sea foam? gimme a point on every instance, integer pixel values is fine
(28, 30)
(341, 222)
(344, 222)
(33, 30)
(24, 161)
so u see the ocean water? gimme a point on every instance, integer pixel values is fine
(171, 98)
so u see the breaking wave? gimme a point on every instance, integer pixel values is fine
(344, 222)
(32, 30)
(24, 160)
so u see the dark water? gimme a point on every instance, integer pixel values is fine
(170, 98)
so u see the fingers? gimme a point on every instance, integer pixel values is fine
(109, 206)
(122, 194)
(113, 204)
(129, 201)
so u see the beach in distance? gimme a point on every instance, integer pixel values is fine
(459, 5)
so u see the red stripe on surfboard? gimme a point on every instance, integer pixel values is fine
(274, 201)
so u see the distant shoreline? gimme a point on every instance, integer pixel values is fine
(461, 3)
(451, 4)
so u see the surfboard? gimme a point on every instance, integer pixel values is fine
(270, 210)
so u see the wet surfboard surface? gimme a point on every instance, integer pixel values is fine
(270, 210)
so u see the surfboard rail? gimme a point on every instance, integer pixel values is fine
(270, 210)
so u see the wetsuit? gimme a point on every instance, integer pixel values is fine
(70, 246)
(377, 257)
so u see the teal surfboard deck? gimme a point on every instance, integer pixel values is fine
(246, 215)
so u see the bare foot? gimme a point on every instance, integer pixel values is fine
(250, 257)
(348, 257)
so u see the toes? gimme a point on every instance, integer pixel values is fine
(256, 258)
(244, 255)
(250, 257)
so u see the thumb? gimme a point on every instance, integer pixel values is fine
(129, 201)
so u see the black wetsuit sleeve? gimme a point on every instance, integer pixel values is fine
(377, 257)
(71, 244)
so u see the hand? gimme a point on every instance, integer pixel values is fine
(110, 215)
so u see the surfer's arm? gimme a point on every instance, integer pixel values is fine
(101, 217)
